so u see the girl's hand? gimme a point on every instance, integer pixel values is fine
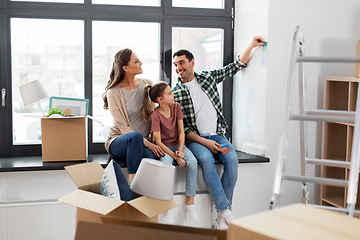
(156, 150)
(180, 154)
(181, 162)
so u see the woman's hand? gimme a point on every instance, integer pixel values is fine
(156, 149)
(180, 154)
(213, 146)
(181, 162)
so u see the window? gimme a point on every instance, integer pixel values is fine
(69, 46)
(104, 50)
(53, 55)
(199, 3)
(154, 3)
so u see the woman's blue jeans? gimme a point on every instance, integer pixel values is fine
(221, 190)
(130, 148)
(191, 165)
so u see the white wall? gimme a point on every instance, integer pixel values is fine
(331, 29)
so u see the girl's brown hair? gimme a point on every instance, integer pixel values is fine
(152, 93)
(117, 73)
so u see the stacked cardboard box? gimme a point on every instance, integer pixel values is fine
(294, 222)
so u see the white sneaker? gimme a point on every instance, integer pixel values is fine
(191, 209)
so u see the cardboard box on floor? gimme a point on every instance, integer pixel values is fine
(91, 206)
(129, 230)
(294, 222)
(64, 139)
(357, 65)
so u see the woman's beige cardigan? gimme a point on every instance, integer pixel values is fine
(121, 123)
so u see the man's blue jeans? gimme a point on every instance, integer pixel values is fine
(191, 165)
(221, 190)
(130, 148)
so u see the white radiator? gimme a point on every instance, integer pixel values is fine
(204, 207)
(37, 220)
(51, 220)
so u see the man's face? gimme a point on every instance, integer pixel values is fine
(184, 68)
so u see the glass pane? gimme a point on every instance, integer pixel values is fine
(53, 55)
(218, 4)
(150, 3)
(104, 49)
(53, 1)
(206, 44)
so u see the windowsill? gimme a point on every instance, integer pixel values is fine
(19, 164)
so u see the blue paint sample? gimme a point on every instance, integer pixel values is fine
(265, 44)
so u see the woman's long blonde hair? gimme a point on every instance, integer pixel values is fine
(152, 93)
(117, 73)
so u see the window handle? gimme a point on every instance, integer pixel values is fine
(3, 93)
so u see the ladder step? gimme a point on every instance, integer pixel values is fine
(328, 162)
(329, 59)
(317, 180)
(323, 118)
(335, 113)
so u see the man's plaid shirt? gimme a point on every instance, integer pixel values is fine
(208, 81)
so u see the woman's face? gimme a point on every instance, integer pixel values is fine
(134, 65)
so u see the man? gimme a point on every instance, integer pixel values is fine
(205, 125)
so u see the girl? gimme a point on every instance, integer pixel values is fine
(168, 131)
(128, 137)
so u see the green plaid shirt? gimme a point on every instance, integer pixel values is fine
(208, 81)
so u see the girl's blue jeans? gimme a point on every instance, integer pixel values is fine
(191, 165)
(130, 148)
(221, 190)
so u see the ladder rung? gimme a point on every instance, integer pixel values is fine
(317, 180)
(321, 118)
(329, 59)
(332, 208)
(328, 162)
(331, 113)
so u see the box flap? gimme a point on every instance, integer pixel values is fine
(86, 174)
(218, 234)
(91, 201)
(95, 231)
(152, 207)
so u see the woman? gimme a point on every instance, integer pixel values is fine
(128, 137)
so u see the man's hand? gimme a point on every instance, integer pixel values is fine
(257, 41)
(212, 146)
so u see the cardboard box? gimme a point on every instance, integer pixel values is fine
(357, 65)
(129, 230)
(294, 222)
(64, 139)
(91, 206)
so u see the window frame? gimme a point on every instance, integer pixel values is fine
(166, 15)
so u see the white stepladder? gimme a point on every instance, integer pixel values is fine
(296, 60)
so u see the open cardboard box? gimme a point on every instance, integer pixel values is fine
(129, 230)
(297, 221)
(64, 139)
(91, 206)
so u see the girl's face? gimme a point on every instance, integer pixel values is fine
(134, 65)
(167, 97)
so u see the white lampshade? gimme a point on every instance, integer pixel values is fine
(33, 92)
(154, 179)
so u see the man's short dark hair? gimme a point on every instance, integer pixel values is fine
(185, 52)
